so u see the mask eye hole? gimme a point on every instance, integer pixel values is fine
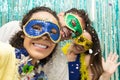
(73, 23)
(81, 39)
(77, 33)
(53, 31)
(88, 45)
(37, 27)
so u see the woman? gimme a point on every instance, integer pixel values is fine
(84, 53)
(34, 46)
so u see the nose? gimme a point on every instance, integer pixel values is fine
(45, 37)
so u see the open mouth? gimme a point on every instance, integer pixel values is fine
(42, 46)
(79, 47)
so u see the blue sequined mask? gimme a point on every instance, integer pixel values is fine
(37, 28)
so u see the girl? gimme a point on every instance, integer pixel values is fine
(32, 55)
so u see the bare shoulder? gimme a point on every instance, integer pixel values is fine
(87, 59)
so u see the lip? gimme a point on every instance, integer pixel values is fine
(78, 47)
(40, 46)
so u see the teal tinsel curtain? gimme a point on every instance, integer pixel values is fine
(105, 15)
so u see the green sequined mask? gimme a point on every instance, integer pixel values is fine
(72, 22)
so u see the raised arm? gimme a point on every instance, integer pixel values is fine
(109, 66)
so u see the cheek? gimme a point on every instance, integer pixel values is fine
(26, 41)
(82, 23)
(52, 47)
(48, 52)
(62, 22)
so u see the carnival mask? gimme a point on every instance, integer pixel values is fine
(73, 23)
(36, 28)
(83, 41)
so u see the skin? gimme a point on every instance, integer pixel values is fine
(40, 48)
(109, 65)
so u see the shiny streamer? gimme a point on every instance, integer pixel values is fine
(105, 15)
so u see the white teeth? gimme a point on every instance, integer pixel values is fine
(78, 48)
(41, 46)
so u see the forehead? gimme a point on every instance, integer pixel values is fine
(81, 21)
(61, 18)
(87, 35)
(46, 16)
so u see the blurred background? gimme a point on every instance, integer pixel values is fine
(105, 15)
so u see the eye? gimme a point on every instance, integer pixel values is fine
(77, 33)
(37, 27)
(53, 31)
(73, 23)
(81, 39)
(88, 45)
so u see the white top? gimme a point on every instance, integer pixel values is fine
(8, 30)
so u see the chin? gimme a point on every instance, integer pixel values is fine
(38, 56)
(78, 52)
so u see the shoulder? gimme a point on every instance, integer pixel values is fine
(5, 46)
(87, 59)
(5, 50)
(7, 61)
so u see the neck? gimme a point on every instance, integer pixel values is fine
(34, 61)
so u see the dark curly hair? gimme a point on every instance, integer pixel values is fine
(17, 40)
(96, 56)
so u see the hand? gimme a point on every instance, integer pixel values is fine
(71, 57)
(65, 33)
(111, 64)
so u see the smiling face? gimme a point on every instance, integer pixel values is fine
(82, 44)
(40, 47)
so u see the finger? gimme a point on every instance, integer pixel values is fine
(103, 61)
(118, 64)
(116, 58)
(109, 56)
(63, 34)
(65, 31)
